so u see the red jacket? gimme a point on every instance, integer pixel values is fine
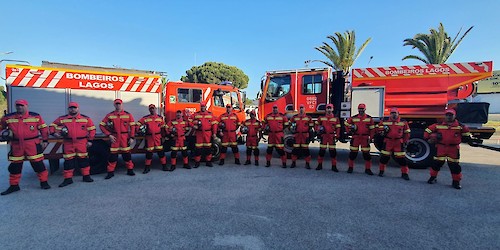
(180, 125)
(276, 122)
(397, 129)
(254, 127)
(118, 123)
(364, 125)
(155, 124)
(79, 126)
(450, 134)
(303, 123)
(330, 123)
(205, 121)
(25, 126)
(230, 121)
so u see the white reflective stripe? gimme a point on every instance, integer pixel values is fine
(137, 83)
(470, 68)
(127, 82)
(59, 150)
(209, 103)
(368, 73)
(146, 86)
(455, 68)
(142, 144)
(357, 74)
(13, 76)
(156, 86)
(26, 79)
(42, 78)
(379, 73)
(207, 92)
(56, 79)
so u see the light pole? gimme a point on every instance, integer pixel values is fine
(307, 62)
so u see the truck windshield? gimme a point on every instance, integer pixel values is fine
(277, 87)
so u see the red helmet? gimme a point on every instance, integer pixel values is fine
(450, 111)
(361, 106)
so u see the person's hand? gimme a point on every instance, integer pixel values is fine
(214, 136)
(130, 141)
(57, 135)
(45, 144)
(112, 138)
(89, 144)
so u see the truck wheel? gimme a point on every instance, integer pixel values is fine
(216, 146)
(419, 152)
(98, 157)
(288, 140)
(378, 141)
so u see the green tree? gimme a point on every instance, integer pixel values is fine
(343, 56)
(436, 47)
(213, 72)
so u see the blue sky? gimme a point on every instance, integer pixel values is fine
(255, 36)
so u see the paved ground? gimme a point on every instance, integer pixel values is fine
(249, 207)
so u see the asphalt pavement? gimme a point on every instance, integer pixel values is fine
(250, 207)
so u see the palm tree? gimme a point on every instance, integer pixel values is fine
(436, 47)
(345, 54)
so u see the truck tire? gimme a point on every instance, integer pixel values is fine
(98, 157)
(216, 148)
(419, 153)
(288, 140)
(378, 141)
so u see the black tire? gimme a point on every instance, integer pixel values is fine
(288, 141)
(419, 153)
(98, 157)
(378, 141)
(216, 148)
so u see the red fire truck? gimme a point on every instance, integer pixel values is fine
(421, 93)
(52, 86)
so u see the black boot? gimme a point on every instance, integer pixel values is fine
(350, 170)
(320, 166)
(247, 162)
(237, 161)
(87, 178)
(268, 164)
(11, 189)
(130, 172)
(256, 163)
(109, 175)
(368, 172)
(172, 168)
(209, 164)
(308, 166)
(186, 166)
(67, 181)
(221, 162)
(381, 173)
(293, 165)
(196, 164)
(456, 185)
(283, 165)
(432, 180)
(146, 170)
(164, 167)
(405, 176)
(334, 168)
(45, 185)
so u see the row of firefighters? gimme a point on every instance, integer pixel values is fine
(23, 129)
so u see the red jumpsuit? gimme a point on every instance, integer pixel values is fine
(362, 131)
(25, 144)
(396, 133)
(228, 124)
(155, 129)
(80, 129)
(178, 128)
(254, 127)
(303, 124)
(448, 146)
(275, 124)
(205, 124)
(329, 128)
(121, 125)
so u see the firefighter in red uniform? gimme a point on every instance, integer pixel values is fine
(77, 130)
(447, 136)
(253, 128)
(205, 124)
(274, 123)
(396, 133)
(23, 129)
(301, 125)
(362, 128)
(228, 123)
(119, 126)
(152, 127)
(177, 129)
(328, 129)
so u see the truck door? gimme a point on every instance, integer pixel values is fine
(312, 92)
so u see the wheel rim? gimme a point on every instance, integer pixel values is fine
(417, 150)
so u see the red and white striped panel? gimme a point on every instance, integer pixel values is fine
(59, 78)
(421, 70)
